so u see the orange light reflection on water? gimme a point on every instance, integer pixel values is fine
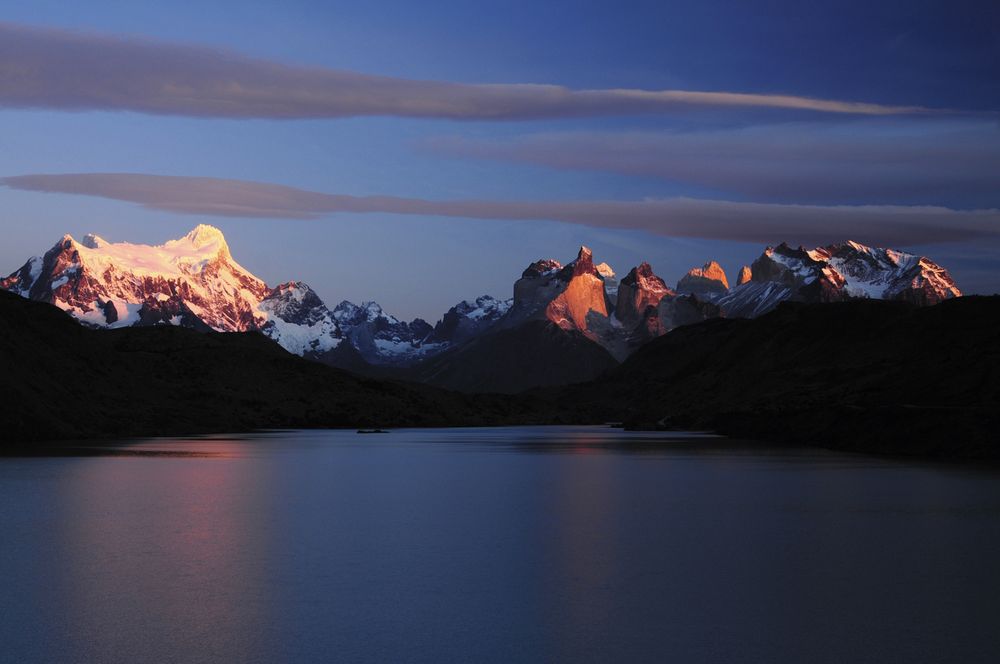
(173, 575)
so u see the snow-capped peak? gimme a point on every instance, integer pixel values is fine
(349, 314)
(187, 255)
(373, 311)
(605, 271)
(541, 268)
(836, 272)
(204, 234)
(118, 283)
(482, 307)
(203, 241)
(293, 289)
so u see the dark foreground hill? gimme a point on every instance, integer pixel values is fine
(872, 376)
(534, 354)
(869, 376)
(63, 381)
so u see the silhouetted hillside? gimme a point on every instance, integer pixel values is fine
(871, 376)
(534, 354)
(63, 381)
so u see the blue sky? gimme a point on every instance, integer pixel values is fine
(935, 55)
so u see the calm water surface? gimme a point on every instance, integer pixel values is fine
(494, 545)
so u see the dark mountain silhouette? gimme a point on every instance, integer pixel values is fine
(865, 375)
(61, 380)
(535, 353)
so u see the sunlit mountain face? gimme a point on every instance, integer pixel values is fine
(195, 282)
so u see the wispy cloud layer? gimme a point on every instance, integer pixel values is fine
(868, 161)
(58, 69)
(680, 217)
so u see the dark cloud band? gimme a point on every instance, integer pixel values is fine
(857, 160)
(679, 217)
(63, 70)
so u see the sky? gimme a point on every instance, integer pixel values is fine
(418, 154)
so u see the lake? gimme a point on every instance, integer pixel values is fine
(545, 544)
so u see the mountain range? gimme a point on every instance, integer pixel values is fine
(864, 375)
(563, 323)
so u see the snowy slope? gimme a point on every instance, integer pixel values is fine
(469, 319)
(296, 318)
(194, 281)
(117, 284)
(837, 272)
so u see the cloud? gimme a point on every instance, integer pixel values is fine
(887, 225)
(861, 161)
(74, 71)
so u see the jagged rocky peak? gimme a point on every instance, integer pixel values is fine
(382, 339)
(292, 290)
(295, 317)
(65, 243)
(347, 308)
(583, 264)
(837, 272)
(539, 283)
(708, 280)
(582, 297)
(366, 311)
(605, 271)
(888, 273)
(643, 276)
(483, 309)
(374, 311)
(468, 319)
(483, 306)
(640, 288)
(294, 298)
(567, 295)
(785, 265)
(541, 267)
(745, 275)
(349, 314)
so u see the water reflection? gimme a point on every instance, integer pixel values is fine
(175, 551)
(483, 545)
(584, 509)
